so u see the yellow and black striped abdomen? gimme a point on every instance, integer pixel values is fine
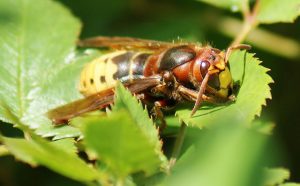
(103, 72)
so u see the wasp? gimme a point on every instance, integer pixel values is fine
(158, 73)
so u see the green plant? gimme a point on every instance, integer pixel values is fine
(39, 61)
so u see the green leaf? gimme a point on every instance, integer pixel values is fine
(67, 144)
(221, 156)
(290, 184)
(273, 11)
(233, 5)
(120, 143)
(263, 127)
(252, 95)
(125, 100)
(40, 152)
(37, 44)
(59, 93)
(275, 176)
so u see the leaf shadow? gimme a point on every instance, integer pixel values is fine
(6, 17)
(215, 109)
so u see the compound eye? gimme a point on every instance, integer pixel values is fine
(204, 66)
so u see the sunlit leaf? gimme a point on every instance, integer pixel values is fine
(273, 11)
(57, 94)
(290, 184)
(37, 71)
(120, 143)
(39, 152)
(125, 100)
(275, 176)
(252, 95)
(67, 144)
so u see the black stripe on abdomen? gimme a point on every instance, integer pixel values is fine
(134, 60)
(139, 63)
(123, 64)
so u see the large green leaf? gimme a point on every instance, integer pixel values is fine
(58, 93)
(37, 44)
(252, 95)
(37, 151)
(230, 155)
(60, 156)
(273, 11)
(120, 143)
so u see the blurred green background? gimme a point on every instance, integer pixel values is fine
(194, 21)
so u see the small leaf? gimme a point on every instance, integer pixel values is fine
(120, 143)
(39, 152)
(37, 71)
(252, 95)
(233, 5)
(275, 176)
(273, 11)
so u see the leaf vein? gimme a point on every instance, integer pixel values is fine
(20, 41)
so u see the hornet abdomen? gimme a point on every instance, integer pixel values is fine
(103, 72)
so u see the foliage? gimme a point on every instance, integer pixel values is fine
(131, 133)
(276, 176)
(275, 11)
(268, 11)
(40, 67)
(224, 149)
(127, 141)
(36, 53)
(39, 152)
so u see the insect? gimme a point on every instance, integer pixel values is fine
(156, 72)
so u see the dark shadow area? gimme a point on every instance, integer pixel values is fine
(14, 173)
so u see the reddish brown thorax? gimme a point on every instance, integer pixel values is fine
(195, 70)
(151, 66)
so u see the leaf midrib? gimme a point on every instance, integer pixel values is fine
(20, 49)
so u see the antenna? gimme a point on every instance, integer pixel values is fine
(235, 47)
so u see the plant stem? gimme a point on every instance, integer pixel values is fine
(250, 23)
(242, 35)
(245, 9)
(178, 145)
(231, 27)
